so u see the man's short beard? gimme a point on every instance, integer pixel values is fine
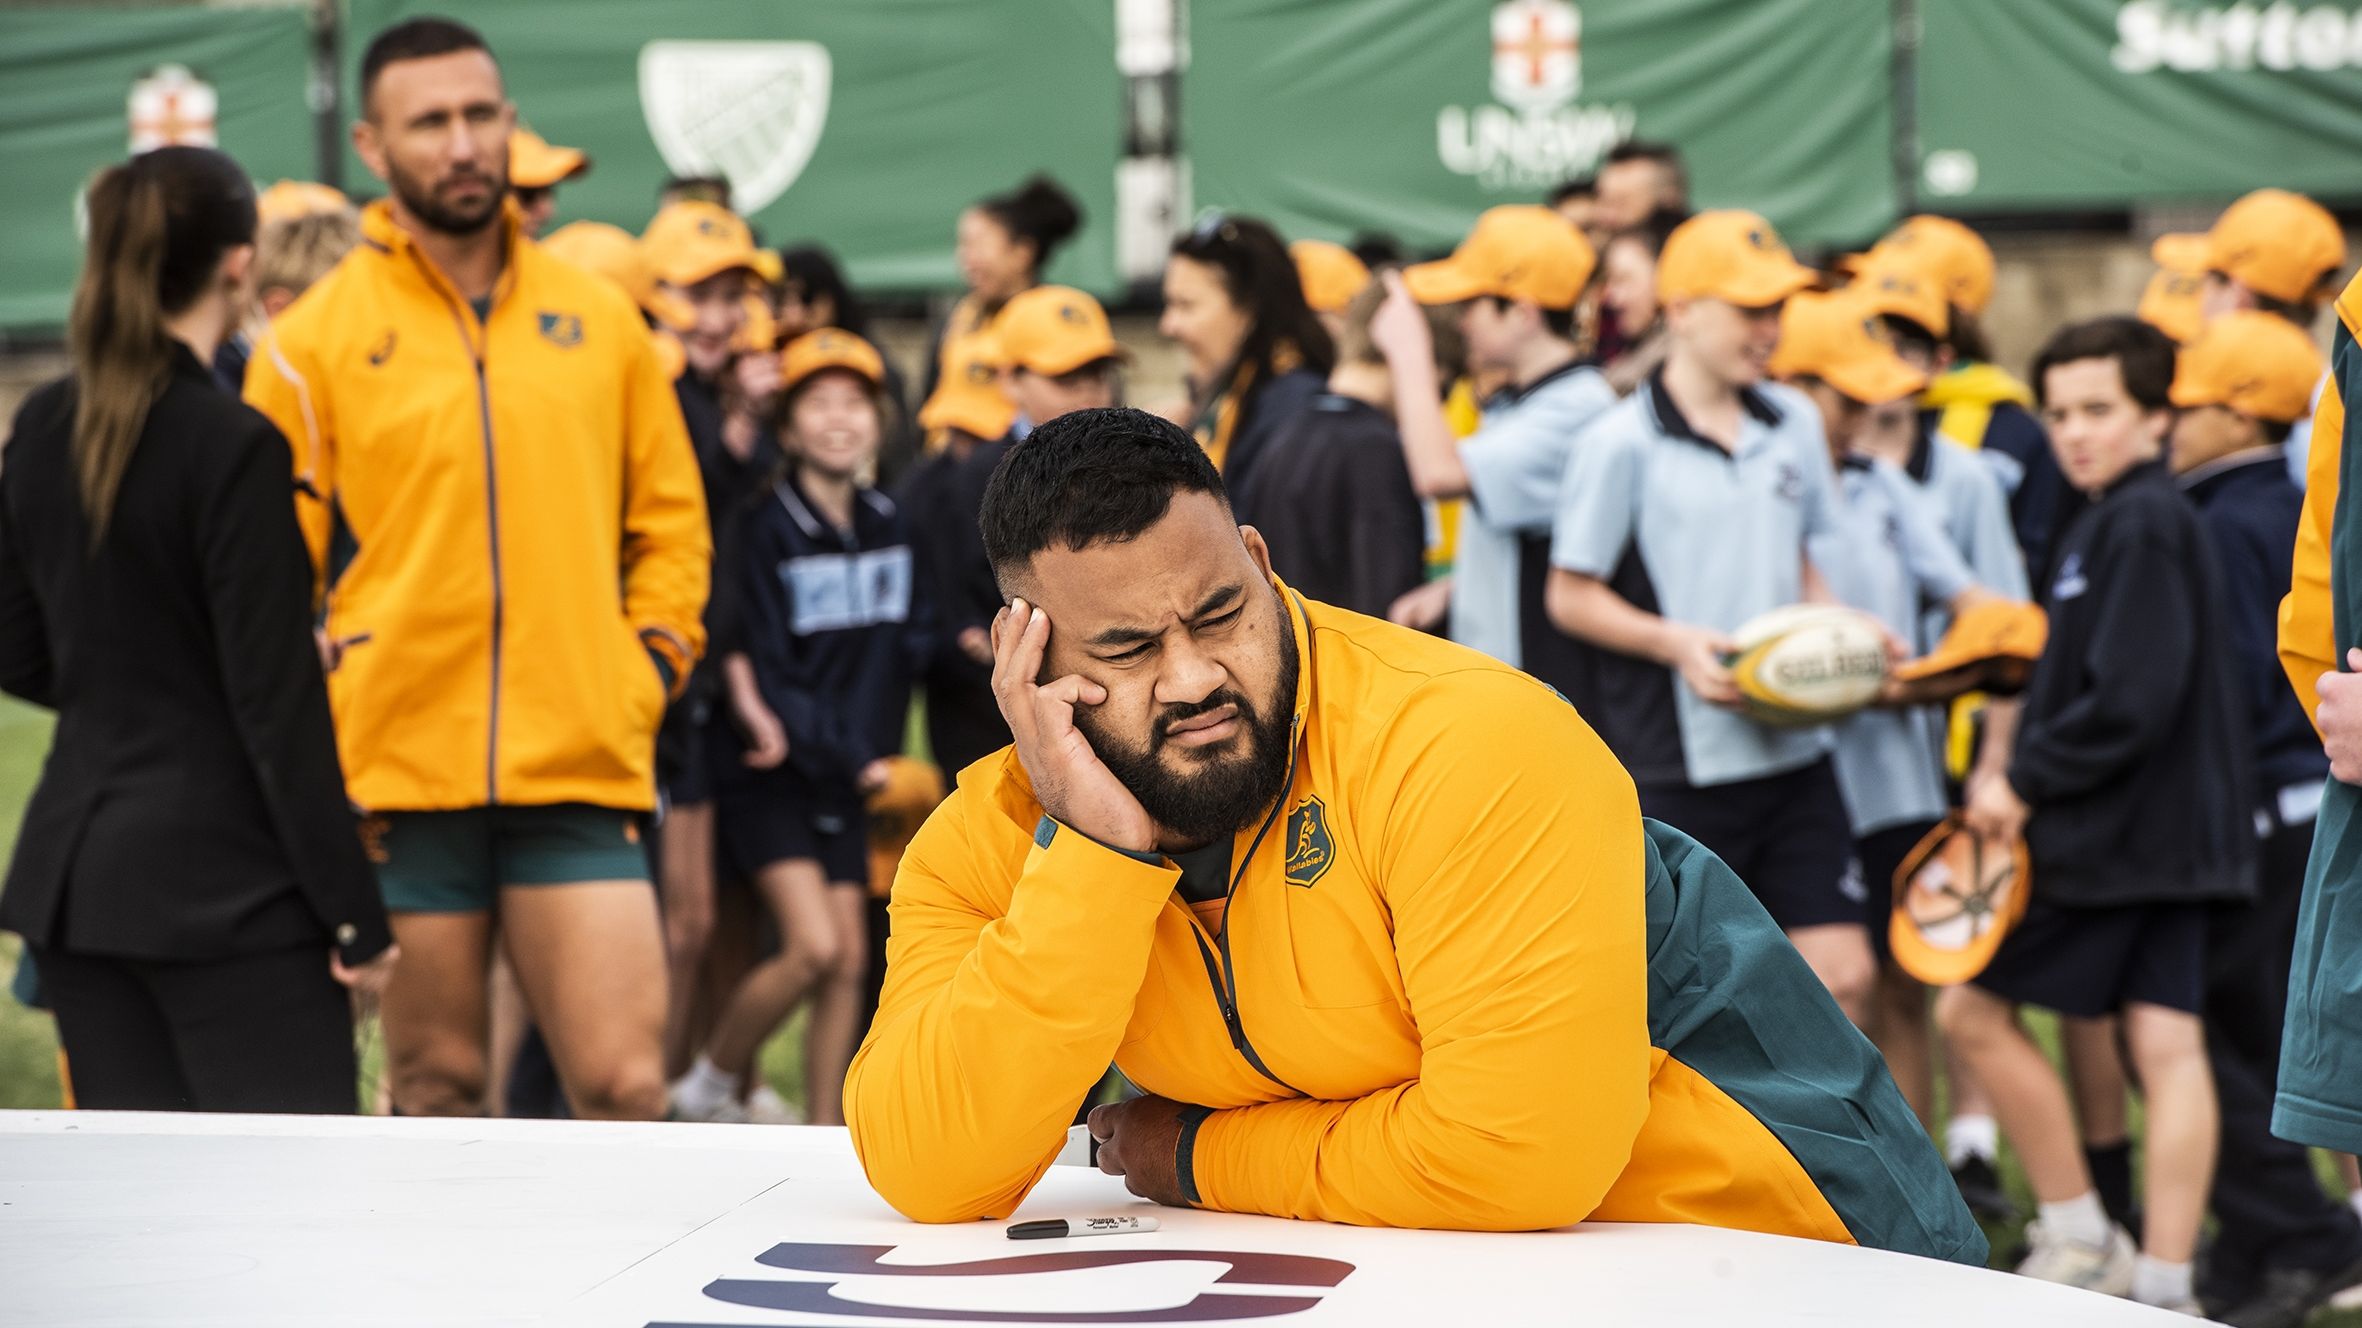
(1226, 793)
(421, 203)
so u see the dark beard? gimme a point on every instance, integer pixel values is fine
(421, 203)
(1227, 792)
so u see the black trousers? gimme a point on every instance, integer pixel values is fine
(2270, 1209)
(269, 1032)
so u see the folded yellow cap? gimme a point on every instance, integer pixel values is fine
(1332, 276)
(1515, 252)
(1731, 256)
(1953, 259)
(1990, 632)
(1885, 286)
(829, 348)
(1837, 339)
(691, 241)
(2282, 244)
(1055, 330)
(1956, 896)
(968, 396)
(535, 163)
(2255, 363)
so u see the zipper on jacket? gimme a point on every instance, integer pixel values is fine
(1221, 974)
(476, 351)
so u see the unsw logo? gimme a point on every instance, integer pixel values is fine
(1532, 138)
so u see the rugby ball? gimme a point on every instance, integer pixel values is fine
(1808, 663)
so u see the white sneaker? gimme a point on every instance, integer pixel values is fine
(690, 1105)
(764, 1106)
(2106, 1269)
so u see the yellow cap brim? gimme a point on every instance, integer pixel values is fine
(1760, 287)
(561, 165)
(669, 310)
(1441, 282)
(2182, 252)
(1874, 380)
(971, 415)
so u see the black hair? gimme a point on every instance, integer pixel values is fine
(2276, 431)
(2303, 313)
(416, 39)
(1967, 337)
(1039, 212)
(2143, 355)
(1582, 186)
(709, 188)
(1088, 477)
(814, 271)
(1560, 323)
(1651, 231)
(1377, 249)
(1664, 156)
(1261, 279)
(1911, 334)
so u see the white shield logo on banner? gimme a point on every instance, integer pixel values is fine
(750, 112)
(1537, 54)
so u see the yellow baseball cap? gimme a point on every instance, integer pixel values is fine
(689, 242)
(1950, 256)
(829, 348)
(1732, 256)
(2282, 244)
(616, 254)
(1885, 286)
(1055, 330)
(769, 268)
(2255, 363)
(968, 396)
(1837, 339)
(289, 199)
(2170, 301)
(1956, 897)
(536, 163)
(1332, 276)
(1992, 644)
(1515, 252)
(760, 331)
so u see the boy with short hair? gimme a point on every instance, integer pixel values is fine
(2130, 782)
(1685, 512)
(1516, 280)
(2281, 1244)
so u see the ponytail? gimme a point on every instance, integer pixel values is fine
(159, 225)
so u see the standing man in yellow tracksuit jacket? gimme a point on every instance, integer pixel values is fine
(510, 534)
(1373, 919)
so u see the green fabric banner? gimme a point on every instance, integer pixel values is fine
(75, 86)
(2040, 104)
(1411, 116)
(866, 127)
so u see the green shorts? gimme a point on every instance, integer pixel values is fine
(456, 861)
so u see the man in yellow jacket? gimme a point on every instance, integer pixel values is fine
(510, 538)
(2320, 1097)
(1372, 919)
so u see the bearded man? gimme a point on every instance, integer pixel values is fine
(1372, 919)
(508, 532)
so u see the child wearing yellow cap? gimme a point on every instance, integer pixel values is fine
(819, 628)
(2241, 383)
(1058, 354)
(1515, 282)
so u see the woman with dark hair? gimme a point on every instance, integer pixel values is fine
(1256, 352)
(1004, 242)
(189, 877)
(1627, 297)
(814, 294)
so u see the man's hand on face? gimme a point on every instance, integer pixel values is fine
(1073, 785)
(1139, 1140)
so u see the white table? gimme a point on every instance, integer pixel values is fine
(116, 1219)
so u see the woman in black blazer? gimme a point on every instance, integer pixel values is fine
(189, 874)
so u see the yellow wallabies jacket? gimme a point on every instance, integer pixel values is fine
(1458, 983)
(505, 519)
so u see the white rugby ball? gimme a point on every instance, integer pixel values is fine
(1809, 663)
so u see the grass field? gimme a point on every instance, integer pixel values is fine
(28, 1042)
